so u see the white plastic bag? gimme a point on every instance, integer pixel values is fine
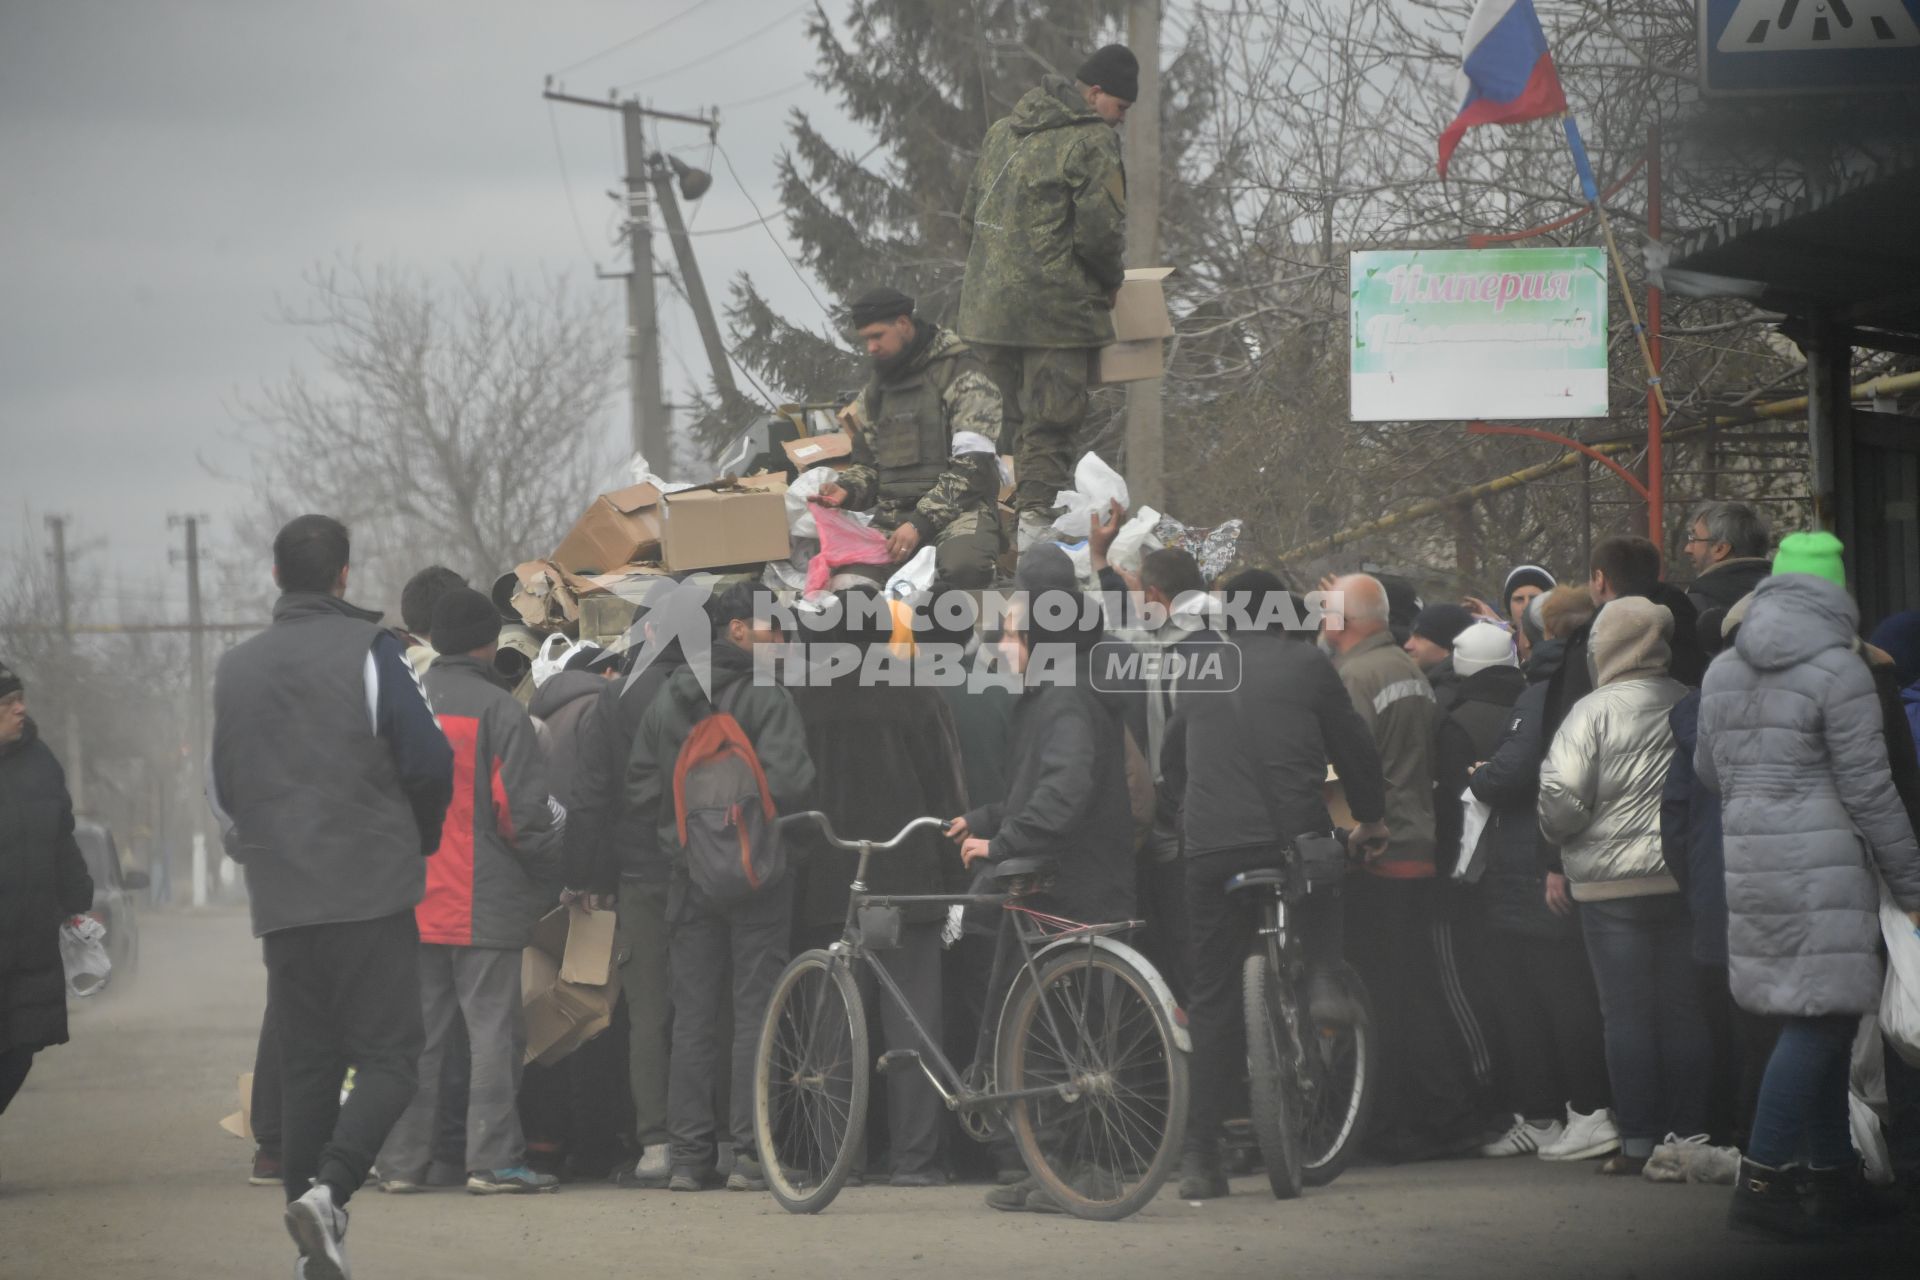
(1095, 486)
(913, 577)
(800, 495)
(551, 661)
(636, 471)
(1900, 999)
(83, 951)
(1135, 539)
(1474, 816)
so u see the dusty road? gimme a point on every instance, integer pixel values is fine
(112, 1165)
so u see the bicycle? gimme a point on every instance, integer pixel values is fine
(1086, 1066)
(1310, 1071)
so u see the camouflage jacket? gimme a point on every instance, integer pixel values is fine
(904, 461)
(1047, 210)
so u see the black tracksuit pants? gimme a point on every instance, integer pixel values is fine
(343, 995)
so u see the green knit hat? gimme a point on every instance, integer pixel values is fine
(1817, 553)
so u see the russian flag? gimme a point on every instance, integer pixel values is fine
(1506, 73)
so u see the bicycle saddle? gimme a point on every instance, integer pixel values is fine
(1258, 878)
(1022, 867)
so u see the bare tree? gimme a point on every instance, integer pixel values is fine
(462, 422)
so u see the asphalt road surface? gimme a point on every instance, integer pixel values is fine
(112, 1165)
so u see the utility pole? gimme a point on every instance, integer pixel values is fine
(1146, 445)
(76, 762)
(651, 425)
(650, 417)
(197, 706)
(693, 182)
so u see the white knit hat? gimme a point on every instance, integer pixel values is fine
(1483, 645)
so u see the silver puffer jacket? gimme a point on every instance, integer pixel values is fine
(1600, 785)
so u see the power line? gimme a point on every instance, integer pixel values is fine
(801, 83)
(705, 58)
(791, 264)
(733, 356)
(560, 154)
(633, 40)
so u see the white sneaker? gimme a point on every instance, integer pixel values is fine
(1523, 1139)
(1585, 1137)
(319, 1227)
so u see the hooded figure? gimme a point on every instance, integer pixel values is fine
(1792, 740)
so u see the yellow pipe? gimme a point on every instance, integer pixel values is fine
(1888, 384)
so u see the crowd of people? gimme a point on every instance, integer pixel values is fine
(1614, 848)
(1651, 947)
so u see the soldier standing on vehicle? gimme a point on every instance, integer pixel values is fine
(926, 442)
(1047, 211)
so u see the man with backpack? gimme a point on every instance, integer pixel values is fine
(495, 873)
(717, 759)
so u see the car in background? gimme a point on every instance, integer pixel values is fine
(114, 893)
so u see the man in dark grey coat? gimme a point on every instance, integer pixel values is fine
(1792, 739)
(331, 781)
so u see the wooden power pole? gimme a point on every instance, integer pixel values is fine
(652, 420)
(1146, 447)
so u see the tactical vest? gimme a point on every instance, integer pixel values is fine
(911, 441)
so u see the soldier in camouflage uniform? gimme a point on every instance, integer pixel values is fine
(1047, 213)
(925, 442)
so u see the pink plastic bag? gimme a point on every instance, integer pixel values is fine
(843, 540)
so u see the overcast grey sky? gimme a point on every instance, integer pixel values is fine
(168, 168)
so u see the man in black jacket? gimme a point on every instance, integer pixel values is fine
(1546, 1012)
(1728, 543)
(1624, 566)
(331, 780)
(1252, 764)
(614, 853)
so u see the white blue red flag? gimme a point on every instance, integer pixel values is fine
(1506, 72)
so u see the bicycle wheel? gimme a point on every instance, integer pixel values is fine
(1273, 1081)
(1091, 1025)
(810, 1082)
(1340, 1063)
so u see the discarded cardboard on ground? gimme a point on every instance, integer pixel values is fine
(1141, 326)
(738, 522)
(618, 529)
(240, 1123)
(568, 982)
(811, 451)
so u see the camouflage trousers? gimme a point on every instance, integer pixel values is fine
(1043, 391)
(966, 552)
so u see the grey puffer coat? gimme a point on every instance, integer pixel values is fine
(1791, 737)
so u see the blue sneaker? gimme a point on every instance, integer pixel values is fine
(517, 1181)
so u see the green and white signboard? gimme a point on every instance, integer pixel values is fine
(1478, 333)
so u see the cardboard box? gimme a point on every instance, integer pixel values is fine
(811, 451)
(1141, 325)
(619, 528)
(568, 982)
(742, 523)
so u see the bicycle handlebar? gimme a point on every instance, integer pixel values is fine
(855, 846)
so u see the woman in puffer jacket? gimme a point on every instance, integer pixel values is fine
(1793, 740)
(1600, 802)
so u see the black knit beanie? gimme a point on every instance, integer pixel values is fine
(463, 621)
(1114, 69)
(877, 306)
(9, 681)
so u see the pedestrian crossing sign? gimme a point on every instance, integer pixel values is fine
(1809, 46)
